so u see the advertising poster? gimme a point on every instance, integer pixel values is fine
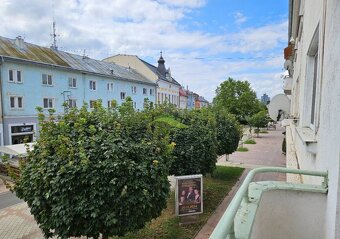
(189, 195)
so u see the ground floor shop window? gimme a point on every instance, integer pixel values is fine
(20, 134)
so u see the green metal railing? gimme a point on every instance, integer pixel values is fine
(225, 226)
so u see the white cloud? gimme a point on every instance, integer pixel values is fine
(239, 18)
(144, 27)
(185, 3)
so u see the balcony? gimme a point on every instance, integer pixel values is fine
(270, 209)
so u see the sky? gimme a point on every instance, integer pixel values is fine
(203, 41)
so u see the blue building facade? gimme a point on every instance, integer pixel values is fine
(34, 76)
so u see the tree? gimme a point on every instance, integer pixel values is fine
(195, 145)
(228, 134)
(258, 121)
(237, 98)
(98, 172)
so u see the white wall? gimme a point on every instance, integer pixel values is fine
(324, 154)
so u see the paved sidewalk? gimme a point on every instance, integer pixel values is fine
(266, 152)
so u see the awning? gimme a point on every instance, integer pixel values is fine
(16, 149)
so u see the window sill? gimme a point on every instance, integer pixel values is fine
(307, 135)
(48, 85)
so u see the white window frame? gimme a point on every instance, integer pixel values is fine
(312, 88)
(48, 76)
(145, 91)
(72, 103)
(152, 91)
(134, 89)
(110, 86)
(93, 85)
(15, 76)
(48, 103)
(72, 82)
(91, 104)
(122, 94)
(16, 102)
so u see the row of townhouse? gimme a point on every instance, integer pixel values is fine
(33, 76)
(168, 89)
(191, 100)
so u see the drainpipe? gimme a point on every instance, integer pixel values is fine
(2, 102)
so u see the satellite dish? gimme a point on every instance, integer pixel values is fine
(279, 107)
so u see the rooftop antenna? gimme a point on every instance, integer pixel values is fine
(54, 34)
(84, 54)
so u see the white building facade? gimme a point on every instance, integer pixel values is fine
(167, 89)
(313, 62)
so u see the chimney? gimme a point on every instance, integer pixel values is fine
(19, 42)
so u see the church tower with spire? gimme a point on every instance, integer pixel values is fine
(161, 66)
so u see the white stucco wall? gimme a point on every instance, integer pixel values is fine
(183, 102)
(135, 63)
(168, 89)
(324, 154)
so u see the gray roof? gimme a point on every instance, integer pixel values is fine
(201, 98)
(37, 54)
(154, 69)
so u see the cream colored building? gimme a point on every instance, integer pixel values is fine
(313, 132)
(168, 87)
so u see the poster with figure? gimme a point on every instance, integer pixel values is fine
(189, 195)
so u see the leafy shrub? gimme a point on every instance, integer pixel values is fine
(99, 172)
(249, 141)
(242, 149)
(195, 145)
(228, 133)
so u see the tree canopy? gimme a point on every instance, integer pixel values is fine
(96, 172)
(237, 98)
(228, 133)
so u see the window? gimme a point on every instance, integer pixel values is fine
(134, 89)
(19, 77)
(312, 89)
(134, 105)
(144, 91)
(47, 79)
(15, 76)
(72, 82)
(110, 86)
(122, 95)
(10, 76)
(109, 105)
(48, 103)
(22, 133)
(93, 85)
(16, 102)
(152, 91)
(315, 76)
(92, 103)
(19, 102)
(72, 103)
